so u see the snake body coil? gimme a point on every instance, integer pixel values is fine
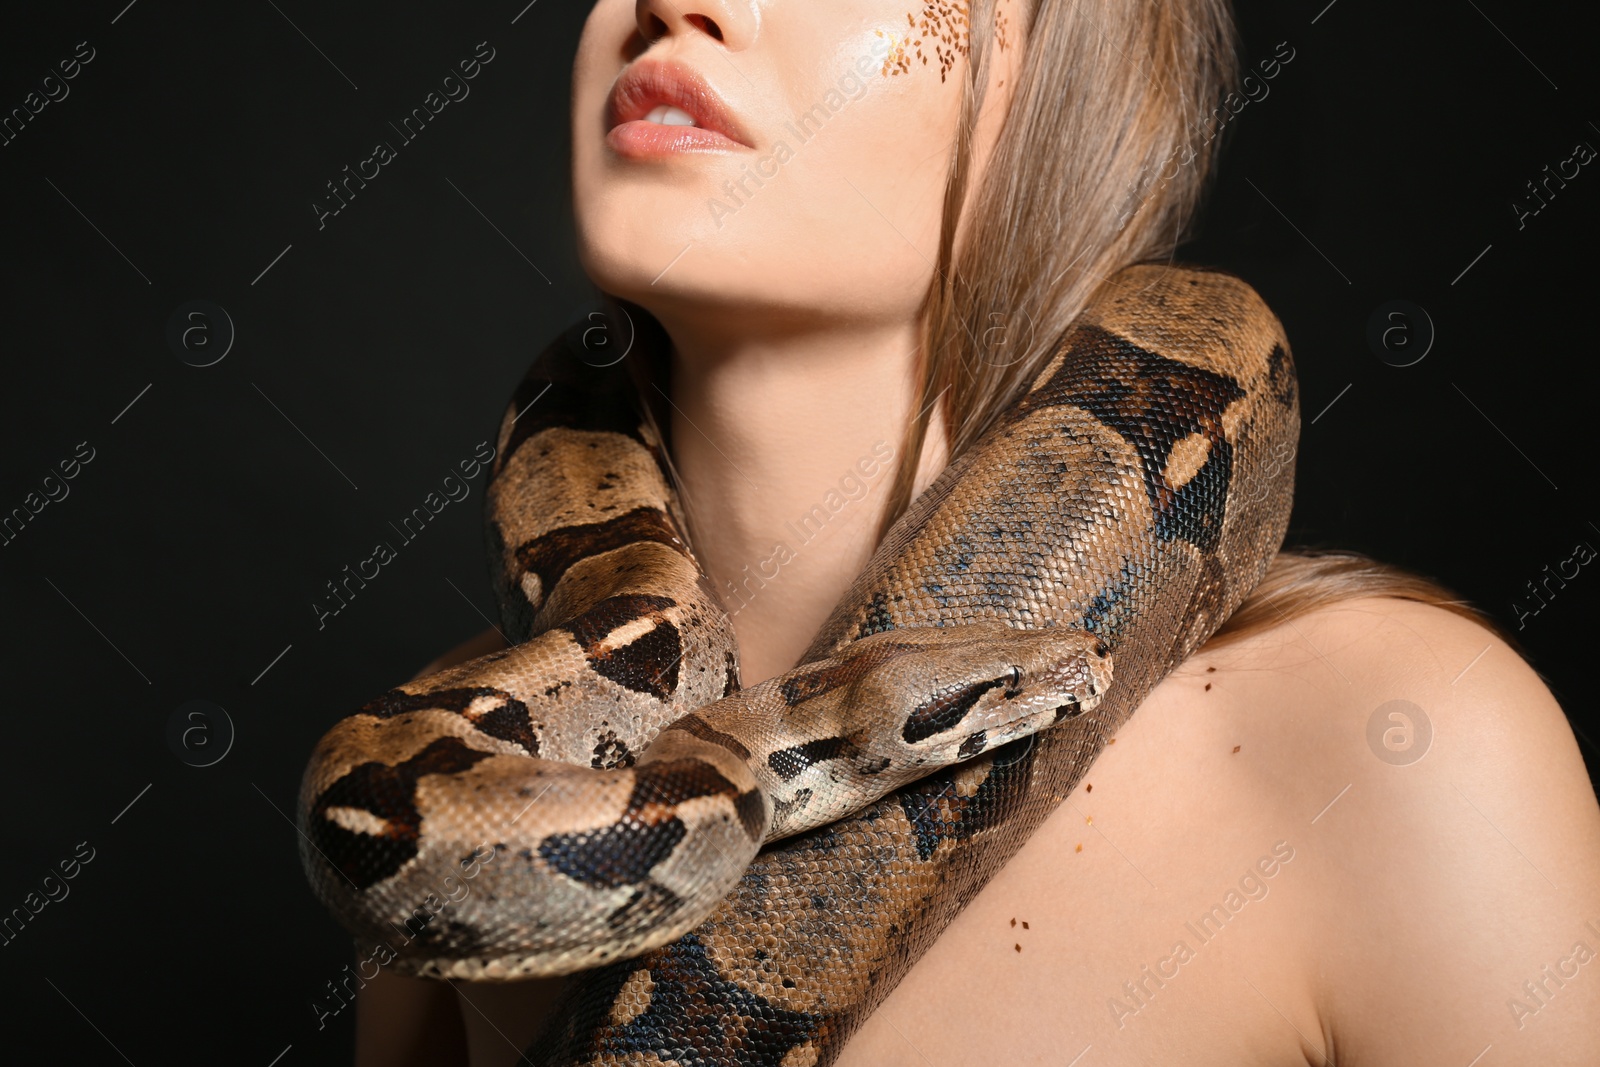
(601, 792)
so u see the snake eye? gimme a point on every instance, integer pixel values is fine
(1013, 681)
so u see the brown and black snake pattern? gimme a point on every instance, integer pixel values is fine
(589, 790)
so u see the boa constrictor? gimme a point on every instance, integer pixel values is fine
(598, 795)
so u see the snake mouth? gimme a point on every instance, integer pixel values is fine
(1070, 710)
(1031, 715)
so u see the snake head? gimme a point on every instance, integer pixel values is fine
(894, 706)
(953, 692)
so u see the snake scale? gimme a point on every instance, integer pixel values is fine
(744, 874)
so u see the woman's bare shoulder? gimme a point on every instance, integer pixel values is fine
(1363, 829)
(1449, 821)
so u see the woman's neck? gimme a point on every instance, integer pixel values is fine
(786, 447)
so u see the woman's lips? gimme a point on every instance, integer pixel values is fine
(640, 139)
(648, 86)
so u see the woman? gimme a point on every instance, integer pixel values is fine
(866, 247)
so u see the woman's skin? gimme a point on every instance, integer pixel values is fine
(1407, 904)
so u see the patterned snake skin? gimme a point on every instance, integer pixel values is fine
(597, 797)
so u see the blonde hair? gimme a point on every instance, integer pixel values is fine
(1305, 579)
(1102, 161)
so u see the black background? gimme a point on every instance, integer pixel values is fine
(379, 350)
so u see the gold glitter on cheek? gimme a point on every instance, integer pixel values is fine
(895, 62)
(943, 23)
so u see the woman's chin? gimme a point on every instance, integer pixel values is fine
(616, 265)
(652, 271)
